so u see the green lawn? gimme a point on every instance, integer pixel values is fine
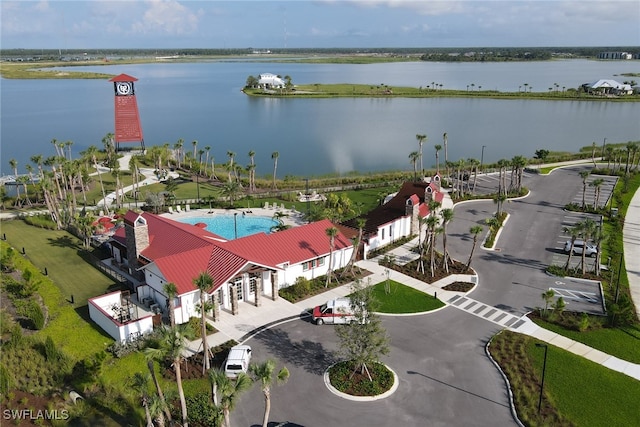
(622, 342)
(403, 299)
(63, 257)
(585, 392)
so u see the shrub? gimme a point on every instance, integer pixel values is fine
(583, 324)
(202, 412)
(36, 315)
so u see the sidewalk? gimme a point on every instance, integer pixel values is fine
(631, 242)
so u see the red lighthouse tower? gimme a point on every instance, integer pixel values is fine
(127, 117)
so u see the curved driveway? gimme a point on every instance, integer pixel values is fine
(445, 376)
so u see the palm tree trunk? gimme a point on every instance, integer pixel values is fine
(267, 409)
(183, 402)
(159, 390)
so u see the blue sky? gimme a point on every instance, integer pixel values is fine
(61, 24)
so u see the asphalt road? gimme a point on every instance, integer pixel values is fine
(445, 376)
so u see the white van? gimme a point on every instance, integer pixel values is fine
(335, 311)
(237, 360)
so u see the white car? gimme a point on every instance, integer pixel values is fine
(237, 360)
(579, 245)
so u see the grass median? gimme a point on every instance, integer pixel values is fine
(394, 297)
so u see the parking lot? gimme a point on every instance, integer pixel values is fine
(559, 257)
(579, 295)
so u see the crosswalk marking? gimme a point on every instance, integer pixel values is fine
(485, 311)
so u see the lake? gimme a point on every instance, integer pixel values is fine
(203, 102)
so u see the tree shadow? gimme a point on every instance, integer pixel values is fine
(64, 242)
(309, 355)
(508, 259)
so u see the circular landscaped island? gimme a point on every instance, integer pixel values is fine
(345, 381)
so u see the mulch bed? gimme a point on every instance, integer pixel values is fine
(459, 287)
(411, 269)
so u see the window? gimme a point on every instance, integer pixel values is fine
(382, 234)
(318, 262)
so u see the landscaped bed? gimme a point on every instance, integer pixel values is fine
(394, 297)
(346, 379)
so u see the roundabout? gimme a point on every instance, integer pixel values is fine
(383, 395)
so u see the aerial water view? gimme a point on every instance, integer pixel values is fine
(355, 213)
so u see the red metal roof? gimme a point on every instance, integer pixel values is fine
(123, 78)
(182, 251)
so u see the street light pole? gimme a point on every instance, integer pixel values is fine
(482, 159)
(198, 178)
(544, 368)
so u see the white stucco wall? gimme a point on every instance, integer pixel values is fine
(101, 311)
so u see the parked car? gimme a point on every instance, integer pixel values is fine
(237, 360)
(579, 245)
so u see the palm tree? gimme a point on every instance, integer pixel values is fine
(596, 184)
(172, 291)
(331, 232)
(171, 345)
(447, 216)
(157, 409)
(231, 155)
(474, 163)
(413, 158)
(14, 165)
(446, 155)
(263, 373)
(574, 232)
(518, 163)
(228, 389)
(252, 171)
(204, 283)
(499, 200)
(177, 149)
(588, 229)
(432, 223)
(475, 230)
(357, 240)
(206, 160)
(194, 144)
(275, 156)
(438, 147)
(547, 296)
(421, 139)
(139, 383)
(584, 175)
(231, 190)
(151, 357)
(631, 148)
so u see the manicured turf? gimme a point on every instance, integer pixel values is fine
(63, 257)
(403, 299)
(622, 342)
(587, 393)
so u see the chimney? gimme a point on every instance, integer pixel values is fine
(137, 238)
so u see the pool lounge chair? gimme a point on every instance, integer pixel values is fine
(171, 210)
(179, 209)
(266, 205)
(187, 208)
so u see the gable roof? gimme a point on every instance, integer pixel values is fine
(182, 251)
(396, 207)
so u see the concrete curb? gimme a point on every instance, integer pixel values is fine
(512, 405)
(384, 395)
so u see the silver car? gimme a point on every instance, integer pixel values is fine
(579, 245)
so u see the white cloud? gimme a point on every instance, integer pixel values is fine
(168, 17)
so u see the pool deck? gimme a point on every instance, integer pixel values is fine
(292, 218)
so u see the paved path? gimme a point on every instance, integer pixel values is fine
(631, 242)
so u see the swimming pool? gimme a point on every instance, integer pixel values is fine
(225, 226)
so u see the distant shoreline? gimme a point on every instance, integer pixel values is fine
(382, 91)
